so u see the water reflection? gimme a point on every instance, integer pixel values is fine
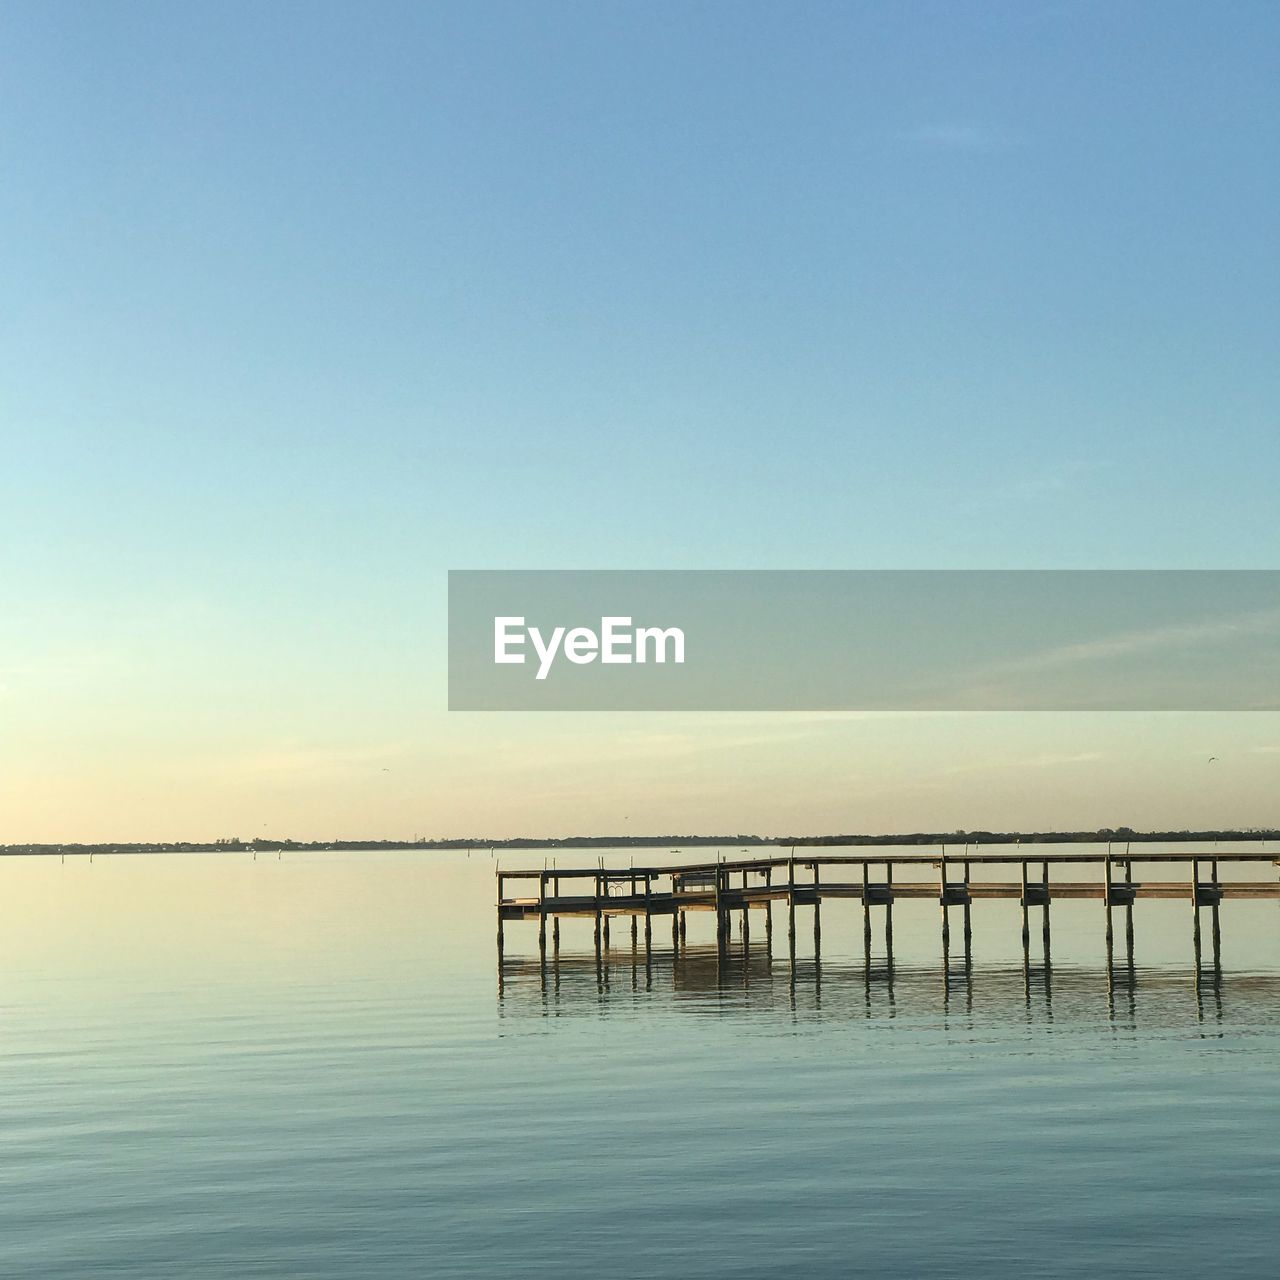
(747, 980)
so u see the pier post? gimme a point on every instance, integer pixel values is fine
(542, 917)
(500, 937)
(968, 921)
(675, 911)
(675, 931)
(555, 920)
(1106, 896)
(942, 898)
(1213, 918)
(720, 920)
(1128, 912)
(791, 908)
(817, 913)
(648, 932)
(866, 915)
(1027, 928)
(1044, 924)
(599, 917)
(1195, 912)
(768, 912)
(648, 915)
(888, 924)
(635, 919)
(968, 924)
(1216, 935)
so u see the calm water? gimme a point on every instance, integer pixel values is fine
(211, 1066)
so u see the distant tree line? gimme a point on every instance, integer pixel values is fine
(234, 844)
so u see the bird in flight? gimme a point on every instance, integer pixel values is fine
(1212, 759)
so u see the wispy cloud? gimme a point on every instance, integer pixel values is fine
(1189, 635)
(294, 762)
(1036, 679)
(1024, 762)
(953, 135)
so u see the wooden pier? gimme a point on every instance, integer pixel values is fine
(735, 889)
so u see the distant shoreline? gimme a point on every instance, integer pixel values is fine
(1103, 835)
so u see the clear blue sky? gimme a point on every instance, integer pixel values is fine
(304, 304)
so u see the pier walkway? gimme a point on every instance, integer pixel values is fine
(737, 888)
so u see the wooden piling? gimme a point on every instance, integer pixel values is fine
(942, 898)
(1213, 918)
(768, 912)
(866, 914)
(1044, 923)
(1106, 894)
(1195, 910)
(888, 924)
(499, 877)
(721, 928)
(791, 909)
(817, 911)
(542, 916)
(599, 915)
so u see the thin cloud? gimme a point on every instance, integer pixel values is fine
(1026, 762)
(1178, 636)
(956, 136)
(292, 762)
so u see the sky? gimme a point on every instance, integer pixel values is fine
(303, 305)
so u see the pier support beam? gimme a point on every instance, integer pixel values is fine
(888, 920)
(501, 940)
(866, 916)
(542, 920)
(1044, 923)
(555, 922)
(791, 910)
(1106, 897)
(722, 922)
(599, 915)
(968, 922)
(768, 913)
(817, 912)
(648, 916)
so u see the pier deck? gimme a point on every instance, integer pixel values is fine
(878, 880)
(727, 886)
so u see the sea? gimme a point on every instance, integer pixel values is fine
(314, 1064)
